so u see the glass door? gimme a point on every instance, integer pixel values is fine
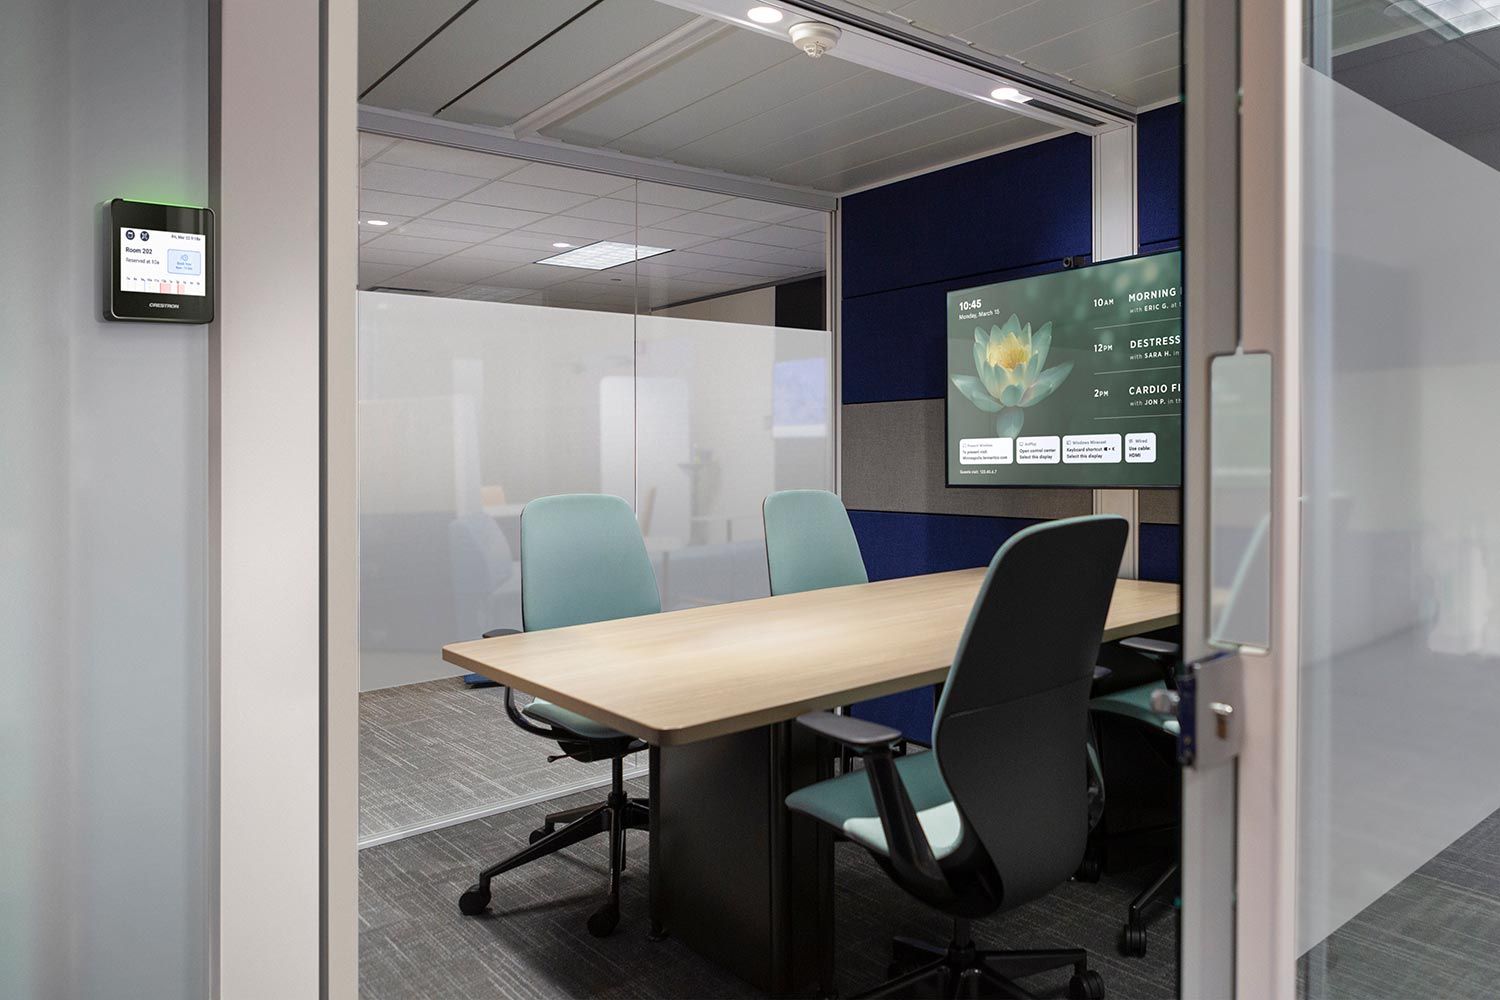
(1341, 165)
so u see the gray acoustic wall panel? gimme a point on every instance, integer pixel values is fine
(893, 460)
(1161, 506)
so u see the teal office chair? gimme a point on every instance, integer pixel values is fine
(810, 545)
(582, 560)
(997, 814)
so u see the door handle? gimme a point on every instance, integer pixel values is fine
(1211, 727)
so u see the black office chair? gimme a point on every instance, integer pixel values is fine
(1136, 703)
(997, 814)
(582, 560)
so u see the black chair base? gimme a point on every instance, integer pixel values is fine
(1162, 890)
(616, 814)
(961, 970)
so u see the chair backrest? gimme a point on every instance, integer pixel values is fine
(583, 560)
(810, 543)
(1012, 722)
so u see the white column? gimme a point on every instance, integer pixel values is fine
(265, 628)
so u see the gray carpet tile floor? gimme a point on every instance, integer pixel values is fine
(439, 749)
(1436, 934)
(415, 944)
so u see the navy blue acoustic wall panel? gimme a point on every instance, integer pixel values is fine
(1161, 552)
(1158, 150)
(1022, 207)
(899, 544)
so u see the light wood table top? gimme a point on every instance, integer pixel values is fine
(689, 675)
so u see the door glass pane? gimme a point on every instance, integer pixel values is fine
(1399, 873)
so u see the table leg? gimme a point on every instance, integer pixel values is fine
(653, 851)
(745, 883)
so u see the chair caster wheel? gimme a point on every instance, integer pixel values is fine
(475, 900)
(602, 921)
(1089, 870)
(539, 833)
(1086, 985)
(1133, 941)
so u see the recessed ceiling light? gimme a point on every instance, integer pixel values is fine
(764, 15)
(376, 222)
(1009, 94)
(562, 246)
(603, 255)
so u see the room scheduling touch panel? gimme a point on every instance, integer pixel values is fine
(161, 266)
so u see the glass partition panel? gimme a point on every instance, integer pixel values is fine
(467, 410)
(725, 413)
(1399, 814)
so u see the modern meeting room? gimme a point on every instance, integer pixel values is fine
(716, 373)
(728, 499)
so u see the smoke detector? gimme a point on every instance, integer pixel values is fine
(814, 37)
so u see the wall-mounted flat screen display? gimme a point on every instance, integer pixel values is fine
(1068, 379)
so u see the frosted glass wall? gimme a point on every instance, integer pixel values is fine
(1401, 532)
(468, 410)
(105, 753)
(726, 413)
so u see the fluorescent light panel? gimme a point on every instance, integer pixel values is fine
(1453, 17)
(603, 255)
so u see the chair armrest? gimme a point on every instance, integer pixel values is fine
(859, 735)
(513, 710)
(910, 852)
(1151, 647)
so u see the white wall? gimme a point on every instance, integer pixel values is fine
(1401, 533)
(105, 882)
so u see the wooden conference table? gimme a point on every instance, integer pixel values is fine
(714, 691)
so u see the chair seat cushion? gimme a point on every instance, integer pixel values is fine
(1135, 703)
(847, 804)
(556, 715)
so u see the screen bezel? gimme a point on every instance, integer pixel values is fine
(1042, 486)
(135, 306)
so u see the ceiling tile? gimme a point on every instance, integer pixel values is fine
(374, 274)
(782, 236)
(509, 194)
(405, 258)
(502, 253)
(368, 232)
(662, 238)
(429, 229)
(397, 204)
(756, 211)
(370, 145)
(468, 162)
(416, 244)
(389, 29)
(481, 39)
(547, 175)
(528, 241)
(606, 34)
(379, 176)
(652, 193)
(484, 215)
(454, 269)
(703, 224)
(534, 276)
(623, 210)
(588, 229)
